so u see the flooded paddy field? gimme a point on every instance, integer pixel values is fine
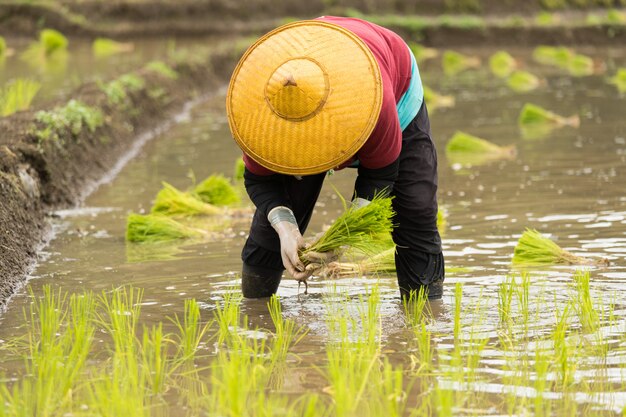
(502, 341)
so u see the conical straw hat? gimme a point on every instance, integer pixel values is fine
(304, 98)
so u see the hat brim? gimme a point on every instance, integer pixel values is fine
(334, 133)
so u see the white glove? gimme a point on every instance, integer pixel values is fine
(284, 222)
(359, 202)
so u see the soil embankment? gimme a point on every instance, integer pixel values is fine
(46, 164)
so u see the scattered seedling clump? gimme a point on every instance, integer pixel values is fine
(239, 169)
(454, 62)
(532, 114)
(161, 68)
(619, 80)
(17, 95)
(522, 81)
(52, 41)
(533, 248)
(69, 120)
(118, 89)
(435, 100)
(502, 64)
(157, 228)
(216, 190)
(171, 201)
(470, 150)
(422, 53)
(103, 47)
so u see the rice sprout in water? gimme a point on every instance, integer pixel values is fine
(502, 64)
(216, 190)
(157, 228)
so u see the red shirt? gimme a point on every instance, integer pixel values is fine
(385, 142)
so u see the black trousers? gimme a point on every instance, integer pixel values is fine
(419, 260)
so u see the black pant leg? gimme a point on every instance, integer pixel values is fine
(419, 261)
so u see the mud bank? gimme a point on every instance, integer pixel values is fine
(45, 166)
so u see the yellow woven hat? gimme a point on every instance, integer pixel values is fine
(304, 98)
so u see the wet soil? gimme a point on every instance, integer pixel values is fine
(36, 178)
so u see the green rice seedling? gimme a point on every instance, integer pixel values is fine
(505, 299)
(103, 47)
(365, 229)
(216, 190)
(353, 353)
(541, 407)
(454, 62)
(239, 169)
(463, 143)
(435, 100)
(118, 89)
(155, 361)
(534, 115)
(157, 228)
(619, 80)
(227, 316)
(458, 299)
(287, 332)
(502, 64)
(170, 201)
(60, 337)
(161, 68)
(522, 292)
(555, 56)
(190, 331)
(533, 249)
(422, 53)
(3, 47)
(418, 313)
(563, 359)
(52, 41)
(523, 81)
(17, 96)
(583, 302)
(69, 119)
(580, 66)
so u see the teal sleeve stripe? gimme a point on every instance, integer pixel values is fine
(412, 99)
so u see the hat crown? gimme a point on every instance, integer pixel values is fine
(297, 90)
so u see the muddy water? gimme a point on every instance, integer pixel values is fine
(568, 184)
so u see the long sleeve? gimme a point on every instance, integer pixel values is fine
(266, 191)
(370, 182)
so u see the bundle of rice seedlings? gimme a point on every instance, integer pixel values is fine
(523, 81)
(454, 62)
(619, 80)
(550, 55)
(240, 168)
(435, 100)
(534, 115)
(382, 262)
(17, 96)
(173, 202)
(502, 64)
(52, 41)
(580, 66)
(157, 228)
(546, 19)
(533, 248)
(365, 229)
(103, 47)
(462, 147)
(421, 52)
(216, 190)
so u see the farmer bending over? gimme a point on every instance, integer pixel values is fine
(326, 94)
